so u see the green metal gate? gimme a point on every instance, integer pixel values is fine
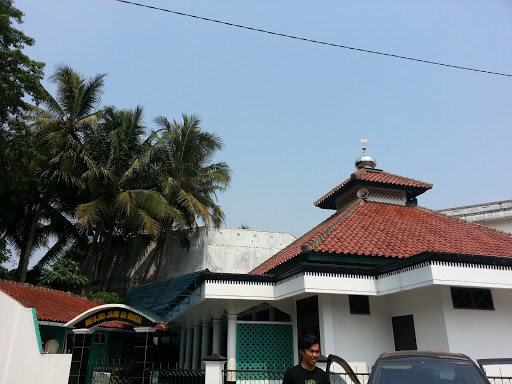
(264, 346)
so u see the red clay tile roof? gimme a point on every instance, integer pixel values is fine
(373, 176)
(53, 305)
(50, 304)
(378, 229)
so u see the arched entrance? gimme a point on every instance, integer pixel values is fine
(139, 326)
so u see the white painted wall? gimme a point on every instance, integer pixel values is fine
(480, 333)
(422, 292)
(20, 359)
(361, 338)
(426, 306)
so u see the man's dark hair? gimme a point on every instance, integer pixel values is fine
(307, 341)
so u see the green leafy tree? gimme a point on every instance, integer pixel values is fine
(64, 275)
(106, 297)
(5, 255)
(60, 127)
(19, 75)
(21, 191)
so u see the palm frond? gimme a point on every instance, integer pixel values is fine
(89, 214)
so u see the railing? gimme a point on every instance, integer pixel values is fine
(177, 376)
(112, 374)
(254, 376)
(122, 374)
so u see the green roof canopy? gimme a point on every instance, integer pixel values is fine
(161, 297)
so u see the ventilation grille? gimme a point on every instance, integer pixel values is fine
(344, 202)
(376, 194)
(387, 196)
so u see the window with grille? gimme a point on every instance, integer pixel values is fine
(472, 298)
(308, 322)
(100, 338)
(359, 305)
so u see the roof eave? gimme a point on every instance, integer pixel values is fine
(330, 201)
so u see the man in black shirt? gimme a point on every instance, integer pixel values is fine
(307, 372)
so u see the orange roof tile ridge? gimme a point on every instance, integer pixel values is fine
(353, 176)
(273, 257)
(455, 218)
(43, 289)
(292, 244)
(429, 185)
(346, 213)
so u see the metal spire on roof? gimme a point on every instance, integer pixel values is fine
(365, 161)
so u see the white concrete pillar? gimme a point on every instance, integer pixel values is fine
(205, 338)
(196, 349)
(231, 352)
(217, 330)
(295, 335)
(326, 319)
(213, 370)
(183, 343)
(188, 349)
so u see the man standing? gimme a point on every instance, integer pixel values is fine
(307, 372)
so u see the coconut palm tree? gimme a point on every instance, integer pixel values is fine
(122, 208)
(187, 179)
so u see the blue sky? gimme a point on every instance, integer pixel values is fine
(291, 113)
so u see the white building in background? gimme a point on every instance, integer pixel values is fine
(380, 274)
(495, 215)
(231, 250)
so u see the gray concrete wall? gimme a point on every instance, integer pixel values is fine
(225, 250)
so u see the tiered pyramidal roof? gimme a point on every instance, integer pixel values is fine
(377, 216)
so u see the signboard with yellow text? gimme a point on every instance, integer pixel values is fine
(114, 314)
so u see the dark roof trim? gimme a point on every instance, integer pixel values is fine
(398, 265)
(330, 201)
(159, 301)
(442, 257)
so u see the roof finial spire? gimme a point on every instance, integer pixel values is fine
(364, 141)
(365, 161)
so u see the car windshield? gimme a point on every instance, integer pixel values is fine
(450, 372)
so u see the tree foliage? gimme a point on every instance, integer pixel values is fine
(102, 185)
(105, 297)
(19, 75)
(63, 275)
(92, 179)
